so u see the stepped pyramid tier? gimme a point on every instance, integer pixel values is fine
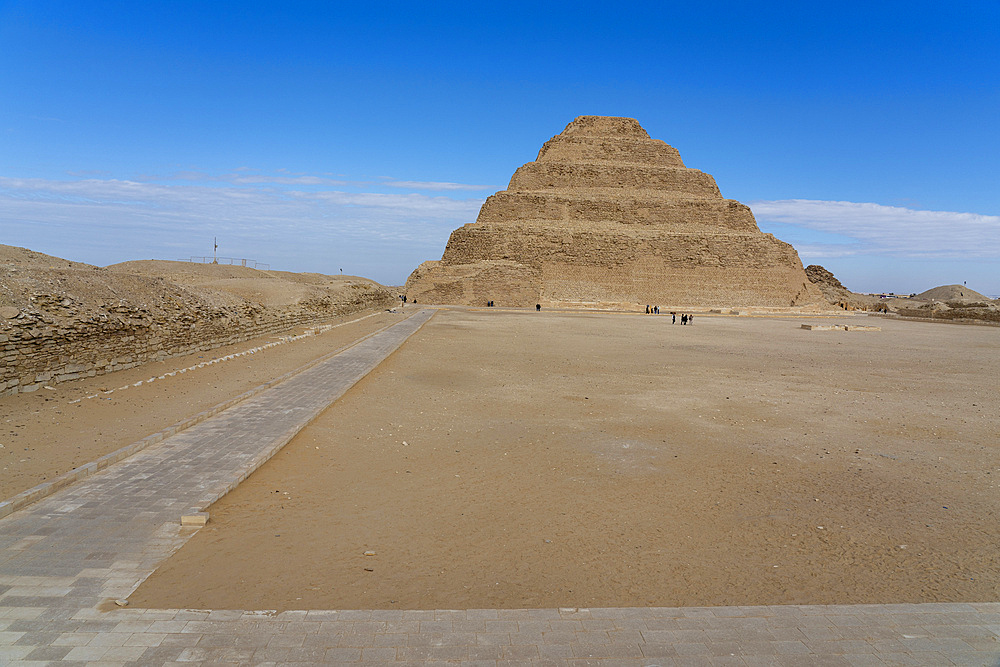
(607, 217)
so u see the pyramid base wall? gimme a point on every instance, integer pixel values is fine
(506, 283)
(628, 287)
(656, 283)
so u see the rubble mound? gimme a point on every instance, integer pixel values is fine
(952, 302)
(13, 255)
(948, 293)
(838, 295)
(59, 318)
(235, 285)
(608, 217)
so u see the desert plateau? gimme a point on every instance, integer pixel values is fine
(518, 459)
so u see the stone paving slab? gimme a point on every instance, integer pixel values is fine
(65, 558)
(46, 489)
(926, 634)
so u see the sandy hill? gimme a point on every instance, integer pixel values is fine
(952, 293)
(13, 255)
(56, 314)
(950, 302)
(240, 284)
(31, 280)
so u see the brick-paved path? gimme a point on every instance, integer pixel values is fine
(64, 558)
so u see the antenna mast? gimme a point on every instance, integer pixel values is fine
(215, 250)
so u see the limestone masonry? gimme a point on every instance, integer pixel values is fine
(62, 320)
(607, 217)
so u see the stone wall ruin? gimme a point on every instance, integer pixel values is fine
(66, 322)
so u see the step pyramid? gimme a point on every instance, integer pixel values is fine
(607, 217)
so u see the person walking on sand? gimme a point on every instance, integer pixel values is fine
(538, 307)
(673, 318)
(690, 319)
(647, 309)
(684, 319)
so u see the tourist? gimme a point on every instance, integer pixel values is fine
(690, 319)
(673, 317)
(684, 319)
(647, 309)
(538, 307)
(656, 310)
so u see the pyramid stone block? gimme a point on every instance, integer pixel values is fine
(607, 217)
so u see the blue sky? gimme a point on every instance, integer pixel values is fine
(329, 136)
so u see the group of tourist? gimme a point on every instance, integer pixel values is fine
(685, 318)
(490, 304)
(650, 310)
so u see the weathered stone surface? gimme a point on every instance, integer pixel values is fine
(62, 320)
(194, 519)
(608, 217)
(838, 295)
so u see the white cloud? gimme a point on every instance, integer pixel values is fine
(435, 185)
(220, 199)
(874, 229)
(102, 221)
(817, 250)
(410, 204)
(286, 180)
(247, 176)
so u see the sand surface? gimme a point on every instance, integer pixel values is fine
(44, 434)
(549, 460)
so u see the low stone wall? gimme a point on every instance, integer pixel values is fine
(37, 349)
(905, 316)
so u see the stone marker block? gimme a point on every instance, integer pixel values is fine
(194, 519)
(852, 327)
(820, 327)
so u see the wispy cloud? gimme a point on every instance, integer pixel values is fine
(286, 180)
(435, 185)
(283, 177)
(295, 222)
(240, 176)
(90, 173)
(874, 229)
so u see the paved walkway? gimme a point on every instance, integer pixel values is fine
(65, 559)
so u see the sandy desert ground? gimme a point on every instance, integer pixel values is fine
(44, 433)
(520, 459)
